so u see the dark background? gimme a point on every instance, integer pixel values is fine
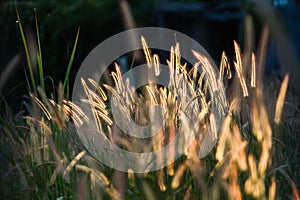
(214, 24)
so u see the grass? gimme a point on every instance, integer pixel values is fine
(42, 157)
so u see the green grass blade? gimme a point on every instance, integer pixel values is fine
(26, 52)
(39, 55)
(70, 64)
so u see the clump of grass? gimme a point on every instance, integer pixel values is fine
(45, 158)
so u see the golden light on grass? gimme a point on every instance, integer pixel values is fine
(60, 112)
(223, 139)
(239, 149)
(224, 65)
(177, 58)
(171, 153)
(41, 124)
(295, 192)
(253, 70)
(257, 131)
(272, 189)
(98, 102)
(187, 195)
(280, 99)
(182, 86)
(239, 69)
(179, 172)
(42, 106)
(266, 144)
(73, 162)
(241, 165)
(156, 64)
(254, 185)
(99, 89)
(147, 52)
(161, 180)
(171, 65)
(207, 69)
(98, 107)
(76, 113)
(233, 187)
(188, 95)
(213, 126)
(97, 178)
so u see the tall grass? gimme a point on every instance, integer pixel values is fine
(43, 157)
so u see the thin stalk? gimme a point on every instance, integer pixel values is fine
(70, 63)
(30, 68)
(39, 55)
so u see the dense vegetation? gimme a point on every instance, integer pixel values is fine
(42, 157)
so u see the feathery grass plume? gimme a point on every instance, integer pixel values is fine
(98, 180)
(280, 99)
(224, 65)
(239, 69)
(59, 112)
(236, 150)
(92, 106)
(192, 103)
(223, 139)
(41, 124)
(75, 112)
(147, 52)
(254, 185)
(156, 64)
(99, 89)
(208, 69)
(257, 131)
(237, 167)
(263, 133)
(42, 106)
(131, 178)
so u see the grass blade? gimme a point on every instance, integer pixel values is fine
(280, 99)
(70, 63)
(30, 68)
(39, 54)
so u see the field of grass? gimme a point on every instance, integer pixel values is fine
(256, 156)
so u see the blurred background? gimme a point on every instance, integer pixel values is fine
(214, 24)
